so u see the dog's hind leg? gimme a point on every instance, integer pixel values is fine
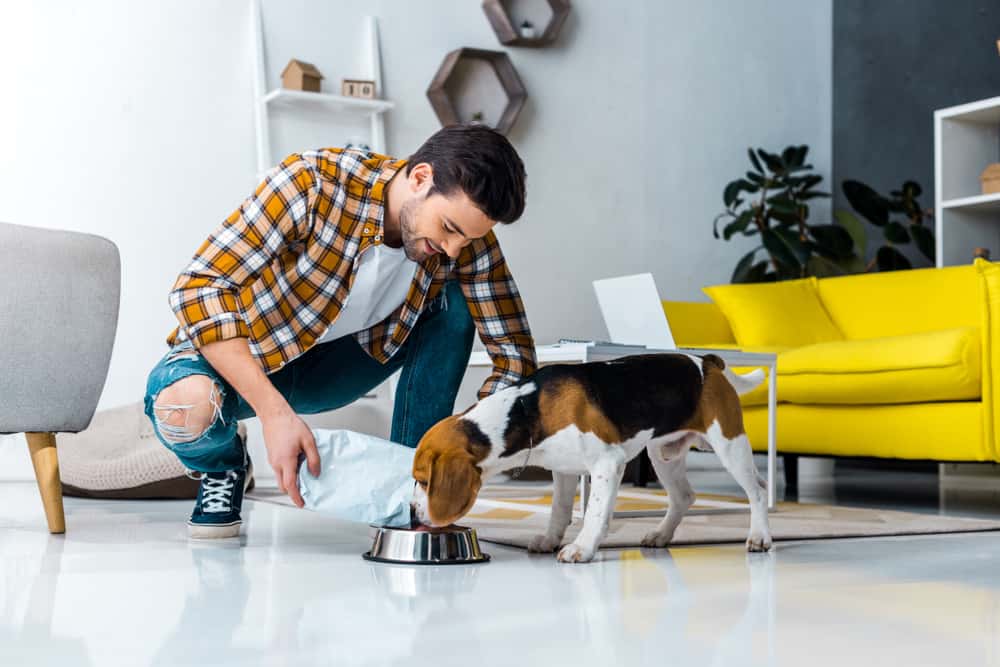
(563, 491)
(737, 456)
(672, 474)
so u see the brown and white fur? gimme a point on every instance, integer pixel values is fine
(594, 418)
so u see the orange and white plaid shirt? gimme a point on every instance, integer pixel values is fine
(279, 269)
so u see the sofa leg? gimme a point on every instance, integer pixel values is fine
(46, 462)
(791, 465)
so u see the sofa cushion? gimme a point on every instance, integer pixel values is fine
(787, 313)
(894, 303)
(913, 368)
(916, 368)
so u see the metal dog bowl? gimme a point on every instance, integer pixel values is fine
(455, 545)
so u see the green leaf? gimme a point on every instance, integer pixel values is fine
(924, 238)
(759, 273)
(731, 192)
(911, 189)
(782, 204)
(757, 179)
(742, 271)
(772, 161)
(855, 228)
(896, 233)
(872, 206)
(890, 259)
(813, 194)
(821, 267)
(785, 247)
(737, 225)
(788, 156)
(755, 162)
(832, 241)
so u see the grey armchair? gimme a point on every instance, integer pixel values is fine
(59, 295)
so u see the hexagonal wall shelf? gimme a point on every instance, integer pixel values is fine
(475, 85)
(515, 21)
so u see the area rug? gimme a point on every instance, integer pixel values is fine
(512, 515)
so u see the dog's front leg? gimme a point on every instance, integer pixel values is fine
(605, 476)
(563, 491)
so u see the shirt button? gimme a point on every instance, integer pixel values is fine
(378, 237)
(368, 230)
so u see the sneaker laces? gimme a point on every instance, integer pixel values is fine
(217, 492)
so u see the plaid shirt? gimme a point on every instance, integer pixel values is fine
(279, 270)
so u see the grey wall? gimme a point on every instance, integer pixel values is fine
(894, 63)
(635, 121)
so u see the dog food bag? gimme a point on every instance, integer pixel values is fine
(362, 478)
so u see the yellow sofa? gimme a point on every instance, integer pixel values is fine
(912, 376)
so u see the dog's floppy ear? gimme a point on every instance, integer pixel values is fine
(452, 486)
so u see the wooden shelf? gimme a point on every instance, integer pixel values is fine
(990, 202)
(481, 80)
(500, 14)
(299, 99)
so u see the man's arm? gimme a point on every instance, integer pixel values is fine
(205, 299)
(285, 434)
(496, 308)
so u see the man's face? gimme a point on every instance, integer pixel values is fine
(436, 223)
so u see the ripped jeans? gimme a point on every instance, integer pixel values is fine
(327, 376)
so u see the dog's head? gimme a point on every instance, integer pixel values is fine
(445, 468)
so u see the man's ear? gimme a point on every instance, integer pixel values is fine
(421, 178)
(452, 486)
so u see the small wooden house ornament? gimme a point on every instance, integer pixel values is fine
(299, 75)
(358, 88)
(991, 179)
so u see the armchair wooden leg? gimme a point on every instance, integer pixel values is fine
(46, 462)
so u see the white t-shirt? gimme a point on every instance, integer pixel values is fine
(380, 286)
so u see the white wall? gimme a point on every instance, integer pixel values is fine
(134, 121)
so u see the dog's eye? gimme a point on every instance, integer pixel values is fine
(423, 485)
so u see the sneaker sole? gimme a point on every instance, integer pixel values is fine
(201, 531)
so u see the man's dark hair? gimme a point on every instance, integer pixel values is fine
(481, 163)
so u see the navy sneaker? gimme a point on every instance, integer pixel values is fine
(220, 498)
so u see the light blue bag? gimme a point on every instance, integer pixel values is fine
(362, 478)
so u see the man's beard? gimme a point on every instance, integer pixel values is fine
(413, 246)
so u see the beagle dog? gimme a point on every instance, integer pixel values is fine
(594, 418)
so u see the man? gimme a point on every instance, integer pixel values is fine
(342, 268)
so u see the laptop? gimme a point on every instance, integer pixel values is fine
(633, 312)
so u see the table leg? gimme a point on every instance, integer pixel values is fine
(772, 410)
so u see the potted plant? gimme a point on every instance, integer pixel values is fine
(771, 203)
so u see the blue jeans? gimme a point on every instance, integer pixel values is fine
(332, 375)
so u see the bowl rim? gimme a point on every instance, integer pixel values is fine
(454, 528)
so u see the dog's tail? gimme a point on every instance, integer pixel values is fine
(741, 383)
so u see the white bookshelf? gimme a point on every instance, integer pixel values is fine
(324, 103)
(966, 140)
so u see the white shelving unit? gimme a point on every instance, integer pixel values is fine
(306, 101)
(966, 140)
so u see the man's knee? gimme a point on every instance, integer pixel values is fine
(186, 409)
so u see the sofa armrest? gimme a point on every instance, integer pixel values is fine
(989, 293)
(698, 324)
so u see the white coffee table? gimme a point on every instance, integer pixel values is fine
(587, 352)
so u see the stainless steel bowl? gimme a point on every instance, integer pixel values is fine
(435, 546)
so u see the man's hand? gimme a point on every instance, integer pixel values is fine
(286, 436)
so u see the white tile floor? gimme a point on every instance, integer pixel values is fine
(126, 587)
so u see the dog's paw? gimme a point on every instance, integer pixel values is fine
(759, 542)
(574, 553)
(543, 544)
(656, 539)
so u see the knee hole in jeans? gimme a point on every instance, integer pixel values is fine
(187, 408)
